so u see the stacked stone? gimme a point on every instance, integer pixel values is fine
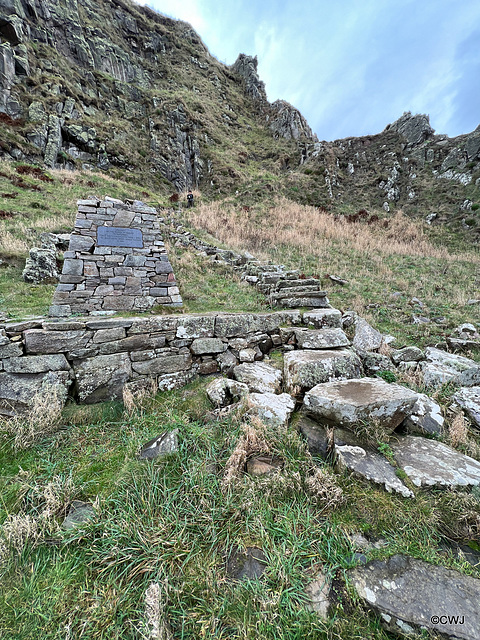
(283, 287)
(111, 274)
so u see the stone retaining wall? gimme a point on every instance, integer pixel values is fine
(92, 359)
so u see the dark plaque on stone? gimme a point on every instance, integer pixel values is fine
(119, 237)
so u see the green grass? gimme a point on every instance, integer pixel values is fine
(169, 521)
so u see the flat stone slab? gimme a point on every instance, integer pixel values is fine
(260, 377)
(429, 463)
(274, 410)
(321, 338)
(323, 318)
(350, 402)
(410, 594)
(371, 466)
(469, 399)
(303, 369)
(318, 595)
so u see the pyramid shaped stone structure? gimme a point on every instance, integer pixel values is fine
(116, 261)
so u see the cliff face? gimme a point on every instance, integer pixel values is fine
(110, 85)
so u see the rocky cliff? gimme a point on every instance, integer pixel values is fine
(113, 86)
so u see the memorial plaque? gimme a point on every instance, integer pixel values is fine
(119, 237)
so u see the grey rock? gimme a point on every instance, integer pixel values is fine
(305, 369)
(196, 327)
(227, 361)
(274, 410)
(426, 417)
(161, 445)
(440, 367)
(429, 463)
(350, 402)
(246, 67)
(223, 391)
(201, 346)
(41, 265)
(410, 595)
(323, 318)
(407, 354)
(18, 391)
(36, 364)
(371, 466)
(287, 122)
(260, 377)
(318, 595)
(366, 337)
(165, 364)
(469, 399)
(101, 378)
(78, 514)
(415, 128)
(321, 338)
(246, 565)
(374, 363)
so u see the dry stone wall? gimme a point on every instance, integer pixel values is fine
(92, 359)
(116, 260)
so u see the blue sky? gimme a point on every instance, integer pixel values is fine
(352, 66)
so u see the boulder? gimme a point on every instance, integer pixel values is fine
(407, 354)
(429, 463)
(374, 363)
(469, 400)
(410, 595)
(260, 377)
(320, 338)
(305, 369)
(274, 410)
(366, 337)
(440, 367)
(426, 417)
(223, 391)
(348, 403)
(41, 266)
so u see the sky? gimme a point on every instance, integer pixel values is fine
(352, 66)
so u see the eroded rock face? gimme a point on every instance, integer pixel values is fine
(304, 369)
(409, 594)
(429, 463)
(40, 266)
(416, 129)
(246, 67)
(348, 403)
(287, 122)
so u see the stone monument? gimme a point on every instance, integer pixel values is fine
(116, 261)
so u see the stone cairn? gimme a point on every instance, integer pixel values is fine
(116, 261)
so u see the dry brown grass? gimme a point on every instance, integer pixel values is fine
(135, 397)
(458, 430)
(42, 418)
(314, 232)
(251, 442)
